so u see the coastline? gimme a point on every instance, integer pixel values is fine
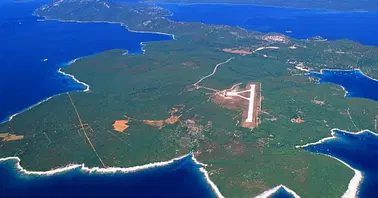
(321, 72)
(356, 180)
(44, 100)
(110, 22)
(75, 79)
(207, 177)
(112, 170)
(142, 44)
(355, 69)
(72, 76)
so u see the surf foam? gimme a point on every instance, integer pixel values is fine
(355, 182)
(111, 170)
(271, 191)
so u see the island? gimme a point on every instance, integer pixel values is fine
(227, 94)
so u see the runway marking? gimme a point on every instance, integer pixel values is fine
(251, 100)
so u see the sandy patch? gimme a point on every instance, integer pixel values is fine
(121, 125)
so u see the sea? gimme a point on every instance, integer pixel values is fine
(355, 83)
(282, 193)
(181, 178)
(297, 23)
(33, 50)
(359, 150)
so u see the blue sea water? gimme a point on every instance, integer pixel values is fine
(360, 151)
(282, 193)
(304, 23)
(25, 42)
(354, 82)
(181, 179)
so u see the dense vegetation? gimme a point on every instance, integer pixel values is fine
(241, 162)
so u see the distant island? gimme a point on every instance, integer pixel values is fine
(349, 5)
